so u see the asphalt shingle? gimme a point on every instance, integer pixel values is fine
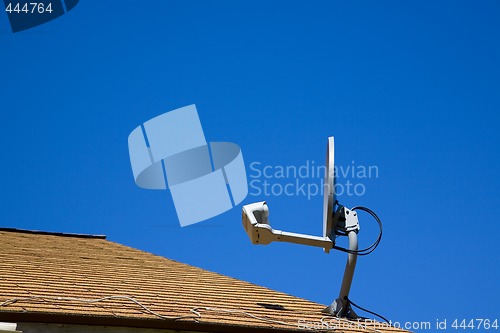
(42, 273)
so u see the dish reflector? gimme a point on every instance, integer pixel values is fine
(329, 190)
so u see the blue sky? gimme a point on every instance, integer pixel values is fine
(409, 87)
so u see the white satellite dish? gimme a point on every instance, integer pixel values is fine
(337, 221)
(329, 190)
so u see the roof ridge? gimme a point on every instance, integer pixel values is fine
(61, 234)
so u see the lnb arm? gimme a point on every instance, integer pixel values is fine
(256, 224)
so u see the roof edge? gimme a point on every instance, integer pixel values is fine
(61, 234)
(176, 325)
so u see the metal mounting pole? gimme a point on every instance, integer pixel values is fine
(341, 307)
(349, 274)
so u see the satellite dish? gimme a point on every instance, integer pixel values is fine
(329, 200)
(337, 221)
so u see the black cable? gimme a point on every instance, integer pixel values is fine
(372, 247)
(371, 312)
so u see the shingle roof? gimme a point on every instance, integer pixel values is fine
(79, 279)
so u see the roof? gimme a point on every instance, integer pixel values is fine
(82, 279)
